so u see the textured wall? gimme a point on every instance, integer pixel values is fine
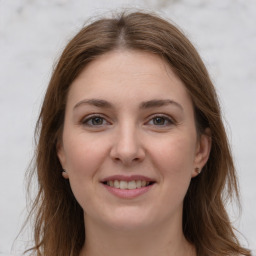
(32, 34)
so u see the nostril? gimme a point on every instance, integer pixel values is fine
(117, 159)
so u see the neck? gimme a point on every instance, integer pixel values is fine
(161, 240)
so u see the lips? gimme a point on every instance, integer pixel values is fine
(128, 186)
(122, 184)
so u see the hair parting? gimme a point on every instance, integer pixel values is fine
(58, 218)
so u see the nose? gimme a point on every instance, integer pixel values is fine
(127, 147)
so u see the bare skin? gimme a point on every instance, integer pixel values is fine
(126, 244)
(128, 114)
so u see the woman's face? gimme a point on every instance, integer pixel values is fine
(129, 144)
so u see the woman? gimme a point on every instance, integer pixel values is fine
(132, 156)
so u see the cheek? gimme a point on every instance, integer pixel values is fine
(174, 158)
(175, 152)
(83, 160)
(84, 155)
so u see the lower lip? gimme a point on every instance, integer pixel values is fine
(128, 193)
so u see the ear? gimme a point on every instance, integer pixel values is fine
(203, 150)
(65, 174)
(62, 158)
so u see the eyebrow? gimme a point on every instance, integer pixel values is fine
(94, 102)
(159, 103)
(144, 105)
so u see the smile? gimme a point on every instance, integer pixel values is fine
(128, 187)
(122, 184)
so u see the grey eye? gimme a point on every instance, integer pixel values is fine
(94, 121)
(97, 120)
(159, 121)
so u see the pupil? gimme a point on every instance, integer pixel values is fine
(97, 120)
(159, 120)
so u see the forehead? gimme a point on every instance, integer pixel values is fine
(128, 76)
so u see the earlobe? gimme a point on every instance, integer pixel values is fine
(61, 154)
(62, 159)
(65, 174)
(202, 152)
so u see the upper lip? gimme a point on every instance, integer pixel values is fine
(127, 178)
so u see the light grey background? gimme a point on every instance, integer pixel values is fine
(32, 35)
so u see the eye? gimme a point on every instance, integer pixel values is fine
(95, 120)
(160, 121)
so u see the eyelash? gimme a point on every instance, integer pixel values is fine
(167, 119)
(89, 119)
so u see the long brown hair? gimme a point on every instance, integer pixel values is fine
(59, 224)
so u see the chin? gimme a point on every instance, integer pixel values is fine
(129, 219)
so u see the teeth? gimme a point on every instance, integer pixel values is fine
(128, 184)
(116, 184)
(138, 183)
(132, 185)
(123, 184)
